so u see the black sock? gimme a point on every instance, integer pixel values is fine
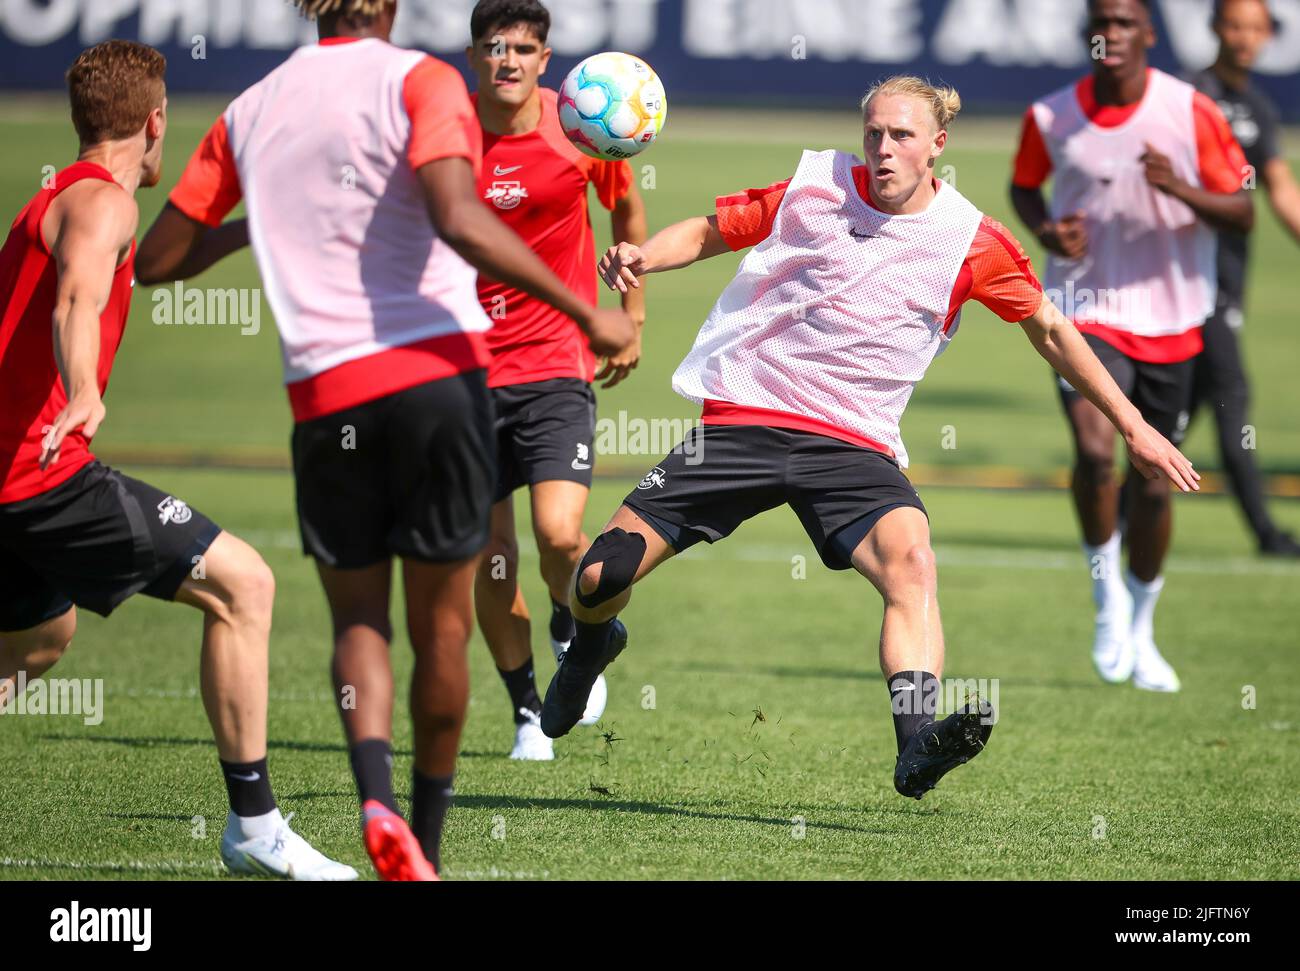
(523, 690)
(430, 799)
(248, 785)
(914, 699)
(372, 767)
(589, 640)
(561, 622)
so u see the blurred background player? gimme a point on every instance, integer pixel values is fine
(73, 531)
(1145, 171)
(804, 368)
(357, 161)
(542, 366)
(1244, 27)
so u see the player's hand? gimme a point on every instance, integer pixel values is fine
(610, 332)
(1159, 170)
(85, 411)
(617, 367)
(1067, 237)
(621, 266)
(1153, 455)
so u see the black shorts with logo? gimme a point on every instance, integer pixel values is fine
(545, 431)
(93, 541)
(1162, 393)
(409, 474)
(722, 475)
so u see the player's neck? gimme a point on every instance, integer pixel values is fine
(122, 159)
(499, 118)
(918, 201)
(1233, 77)
(1111, 91)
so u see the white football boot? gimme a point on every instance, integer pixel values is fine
(599, 696)
(530, 744)
(1113, 650)
(279, 853)
(1151, 672)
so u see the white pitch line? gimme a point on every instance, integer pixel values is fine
(141, 866)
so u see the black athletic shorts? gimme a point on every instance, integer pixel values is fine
(1162, 393)
(722, 475)
(545, 431)
(93, 541)
(408, 475)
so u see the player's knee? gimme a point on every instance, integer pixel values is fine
(1151, 494)
(608, 568)
(1095, 464)
(911, 571)
(500, 558)
(559, 544)
(251, 591)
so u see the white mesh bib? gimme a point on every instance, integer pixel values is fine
(839, 312)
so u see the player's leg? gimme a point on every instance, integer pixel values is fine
(442, 469)
(235, 590)
(1163, 394)
(440, 620)
(1221, 383)
(503, 616)
(1096, 500)
(714, 480)
(37, 622)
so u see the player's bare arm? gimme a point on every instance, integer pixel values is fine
(178, 247)
(628, 224)
(1231, 211)
(489, 246)
(89, 228)
(1059, 342)
(1283, 194)
(680, 245)
(1066, 237)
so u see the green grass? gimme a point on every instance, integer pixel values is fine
(1188, 786)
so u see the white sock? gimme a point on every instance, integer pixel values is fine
(252, 827)
(1145, 596)
(1104, 568)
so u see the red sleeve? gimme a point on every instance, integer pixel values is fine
(1222, 162)
(209, 186)
(1033, 163)
(746, 218)
(998, 274)
(613, 181)
(443, 122)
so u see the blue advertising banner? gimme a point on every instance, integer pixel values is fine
(999, 53)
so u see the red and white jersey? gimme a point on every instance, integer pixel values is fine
(837, 312)
(33, 392)
(324, 150)
(1148, 281)
(537, 183)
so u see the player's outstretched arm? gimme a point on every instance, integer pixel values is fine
(494, 249)
(1063, 347)
(90, 229)
(628, 225)
(681, 244)
(178, 247)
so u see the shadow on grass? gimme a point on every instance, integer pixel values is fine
(464, 801)
(147, 741)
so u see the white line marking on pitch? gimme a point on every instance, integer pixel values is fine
(142, 866)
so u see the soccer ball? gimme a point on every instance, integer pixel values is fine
(612, 106)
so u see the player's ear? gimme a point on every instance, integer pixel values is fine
(546, 59)
(940, 142)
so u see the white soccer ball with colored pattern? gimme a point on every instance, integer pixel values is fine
(612, 106)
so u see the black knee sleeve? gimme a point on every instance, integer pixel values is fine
(619, 554)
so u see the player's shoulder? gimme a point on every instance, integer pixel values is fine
(992, 235)
(98, 207)
(1058, 100)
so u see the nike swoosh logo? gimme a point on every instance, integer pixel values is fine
(905, 687)
(857, 235)
(251, 777)
(500, 171)
(578, 466)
